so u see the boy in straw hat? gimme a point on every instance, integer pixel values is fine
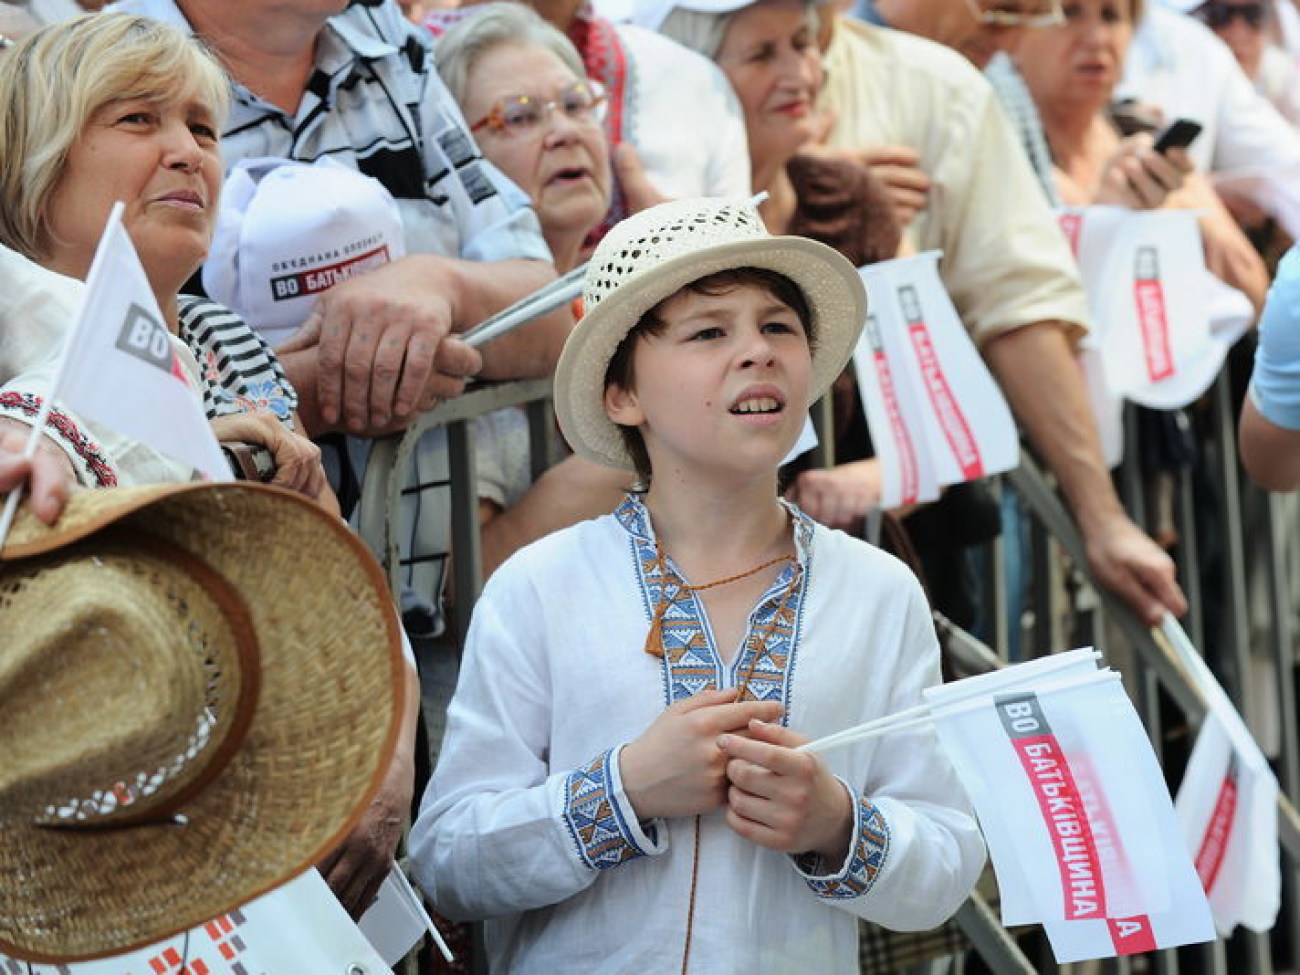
(619, 789)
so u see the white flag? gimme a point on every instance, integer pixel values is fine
(937, 416)
(296, 928)
(1228, 808)
(1080, 828)
(1162, 322)
(119, 367)
(1227, 804)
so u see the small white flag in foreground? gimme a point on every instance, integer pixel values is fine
(120, 369)
(1079, 825)
(1227, 805)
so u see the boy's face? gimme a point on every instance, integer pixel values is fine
(723, 387)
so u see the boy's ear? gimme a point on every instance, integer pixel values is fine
(622, 407)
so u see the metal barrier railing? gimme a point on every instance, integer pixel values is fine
(1054, 532)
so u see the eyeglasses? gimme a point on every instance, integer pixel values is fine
(523, 115)
(1014, 16)
(1218, 16)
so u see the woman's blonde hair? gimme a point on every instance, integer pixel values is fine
(53, 82)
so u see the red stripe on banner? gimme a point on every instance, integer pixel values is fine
(955, 428)
(1067, 824)
(1218, 831)
(1072, 223)
(1149, 294)
(1131, 935)
(906, 450)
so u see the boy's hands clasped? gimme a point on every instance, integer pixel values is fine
(710, 751)
(783, 799)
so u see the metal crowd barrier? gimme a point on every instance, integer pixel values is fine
(1084, 608)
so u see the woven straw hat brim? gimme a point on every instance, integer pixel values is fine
(325, 725)
(834, 291)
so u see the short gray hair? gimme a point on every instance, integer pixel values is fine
(52, 83)
(490, 26)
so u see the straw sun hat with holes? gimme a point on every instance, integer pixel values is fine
(194, 712)
(655, 253)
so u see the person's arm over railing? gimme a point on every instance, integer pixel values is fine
(1034, 366)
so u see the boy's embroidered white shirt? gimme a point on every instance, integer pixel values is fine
(526, 823)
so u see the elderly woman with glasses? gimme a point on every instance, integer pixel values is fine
(536, 117)
(523, 90)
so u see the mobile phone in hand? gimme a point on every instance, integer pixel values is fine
(1178, 134)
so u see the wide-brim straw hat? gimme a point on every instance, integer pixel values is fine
(655, 253)
(202, 687)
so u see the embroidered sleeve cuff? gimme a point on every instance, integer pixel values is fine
(600, 819)
(89, 460)
(857, 874)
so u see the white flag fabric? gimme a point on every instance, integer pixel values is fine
(937, 417)
(1227, 805)
(1080, 828)
(296, 928)
(120, 369)
(1162, 322)
(1228, 809)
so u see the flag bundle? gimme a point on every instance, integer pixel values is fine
(936, 415)
(1162, 322)
(1080, 828)
(1227, 805)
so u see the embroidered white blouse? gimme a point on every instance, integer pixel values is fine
(526, 822)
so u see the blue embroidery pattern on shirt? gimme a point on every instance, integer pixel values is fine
(870, 849)
(593, 817)
(691, 664)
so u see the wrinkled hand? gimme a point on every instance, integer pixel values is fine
(676, 767)
(1128, 563)
(297, 459)
(357, 866)
(1140, 178)
(897, 167)
(638, 192)
(783, 799)
(384, 346)
(841, 496)
(48, 475)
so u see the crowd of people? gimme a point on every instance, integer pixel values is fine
(721, 167)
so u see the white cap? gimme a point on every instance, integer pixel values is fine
(652, 13)
(288, 231)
